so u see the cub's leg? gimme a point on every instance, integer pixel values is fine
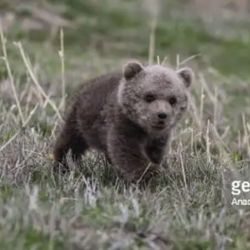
(127, 155)
(67, 140)
(156, 148)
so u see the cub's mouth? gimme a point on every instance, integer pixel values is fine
(159, 126)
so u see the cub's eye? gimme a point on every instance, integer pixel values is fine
(149, 98)
(172, 100)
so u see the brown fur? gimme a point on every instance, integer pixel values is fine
(128, 116)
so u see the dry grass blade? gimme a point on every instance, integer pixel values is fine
(18, 132)
(183, 170)
(62, 58)
(151, 52)
(152, 9)
(188, 59)
(10, 75)
(34, 78)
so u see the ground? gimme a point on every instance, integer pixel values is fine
(189, 206)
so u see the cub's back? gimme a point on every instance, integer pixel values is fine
(92, 97)
(94, 92)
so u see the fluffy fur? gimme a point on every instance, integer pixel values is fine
(128, 116)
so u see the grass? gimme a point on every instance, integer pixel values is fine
(188, 207)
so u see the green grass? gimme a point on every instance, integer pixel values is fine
(188, 207)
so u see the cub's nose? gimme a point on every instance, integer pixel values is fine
(162, 115)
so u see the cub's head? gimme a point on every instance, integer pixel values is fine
(154, 97)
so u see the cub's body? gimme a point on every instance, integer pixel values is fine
(128, 116)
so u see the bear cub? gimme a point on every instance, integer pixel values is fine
(128, 116)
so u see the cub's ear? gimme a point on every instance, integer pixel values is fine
(187, 76)
(131, 69)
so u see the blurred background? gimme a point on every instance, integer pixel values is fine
(214, 33)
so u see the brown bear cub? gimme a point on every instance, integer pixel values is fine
(128, 116)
